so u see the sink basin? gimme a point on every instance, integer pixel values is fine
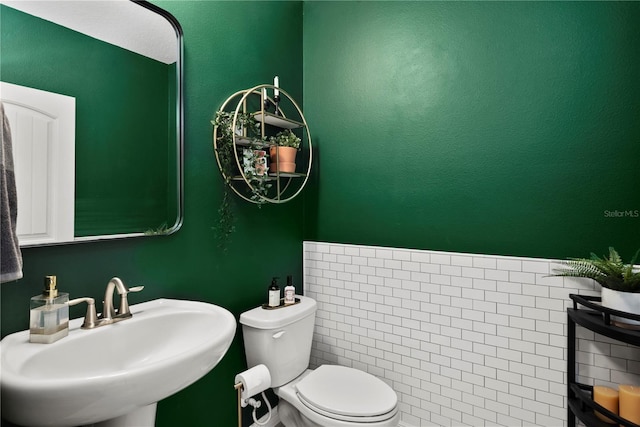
(115, 371)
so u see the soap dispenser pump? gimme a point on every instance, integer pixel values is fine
(49, 314)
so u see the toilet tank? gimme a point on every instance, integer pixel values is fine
(280, 339)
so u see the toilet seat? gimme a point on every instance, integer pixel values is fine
(347, 394)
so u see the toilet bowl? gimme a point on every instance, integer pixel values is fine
(328, 396)
(338, 396)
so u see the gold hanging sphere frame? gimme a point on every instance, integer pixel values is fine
(285, 186)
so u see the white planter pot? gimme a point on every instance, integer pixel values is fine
(628, 302)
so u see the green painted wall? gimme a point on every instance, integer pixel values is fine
(486, 127)
(118, 93)
(228, 46)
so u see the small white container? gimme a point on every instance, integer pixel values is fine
(289, 292)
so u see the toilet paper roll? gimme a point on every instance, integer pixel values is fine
(254, 381)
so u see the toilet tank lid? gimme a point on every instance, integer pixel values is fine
(261, 318)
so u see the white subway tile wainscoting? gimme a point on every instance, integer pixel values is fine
(463, 339)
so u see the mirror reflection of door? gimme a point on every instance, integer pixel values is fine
(43, 139)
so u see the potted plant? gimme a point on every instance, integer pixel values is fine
(283, 151)
(620, 282)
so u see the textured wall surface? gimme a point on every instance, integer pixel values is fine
(483, 127)
(226, 49)
(464, 339)
(477, 127)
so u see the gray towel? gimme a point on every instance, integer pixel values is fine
(10, 255)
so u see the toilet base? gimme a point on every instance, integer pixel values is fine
(291, 417)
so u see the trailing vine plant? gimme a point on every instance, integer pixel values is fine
(256, 176)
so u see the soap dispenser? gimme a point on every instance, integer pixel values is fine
(289, 292)
(274, 293)
(49, 314)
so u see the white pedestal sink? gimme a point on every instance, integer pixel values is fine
(115, 374)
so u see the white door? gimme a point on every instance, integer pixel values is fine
(43, 138)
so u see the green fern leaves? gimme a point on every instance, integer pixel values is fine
(610, 272)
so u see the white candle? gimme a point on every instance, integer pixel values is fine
(264, 94)
(276, 83)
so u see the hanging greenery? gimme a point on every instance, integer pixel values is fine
(254, 171)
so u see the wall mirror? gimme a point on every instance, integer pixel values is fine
(121, 61)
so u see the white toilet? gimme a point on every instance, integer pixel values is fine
(329, 396)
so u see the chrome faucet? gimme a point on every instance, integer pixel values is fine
(109, 314)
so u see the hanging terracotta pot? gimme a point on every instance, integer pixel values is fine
(283, 159)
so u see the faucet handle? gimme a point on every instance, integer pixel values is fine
(124, 311)
(91, 317)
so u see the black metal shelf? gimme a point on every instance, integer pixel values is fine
(582, 405)
(596, 318)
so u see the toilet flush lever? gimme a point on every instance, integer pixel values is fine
(278, 334)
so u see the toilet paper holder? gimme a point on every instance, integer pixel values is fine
(251, 401)
(250, 383)
(254, 381)
(248, 401)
